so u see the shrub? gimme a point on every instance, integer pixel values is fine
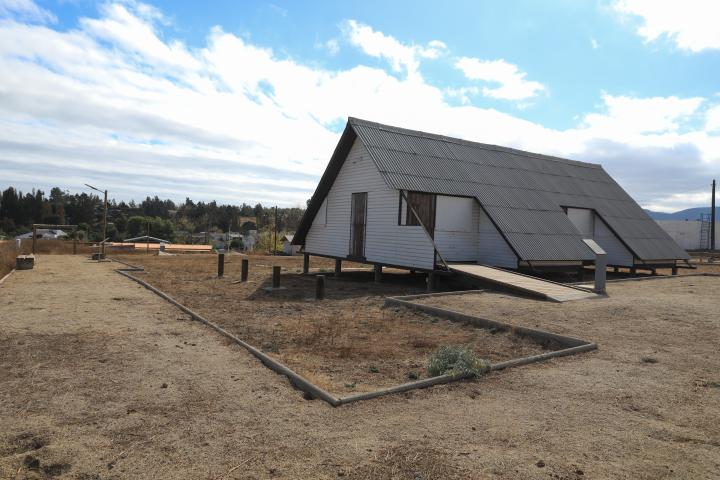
(456, 360)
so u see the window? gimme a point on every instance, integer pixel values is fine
(420, 205)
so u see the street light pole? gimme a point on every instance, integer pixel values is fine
(104, 236)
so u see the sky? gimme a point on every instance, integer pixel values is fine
(245, 101)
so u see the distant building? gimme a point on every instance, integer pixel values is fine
(690, 234)
(45, 233)
(288, 247)
(249, 240)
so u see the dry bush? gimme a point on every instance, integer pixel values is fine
(8, 252)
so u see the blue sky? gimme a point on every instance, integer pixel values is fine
(243, 101)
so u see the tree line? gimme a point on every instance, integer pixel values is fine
(166, 219)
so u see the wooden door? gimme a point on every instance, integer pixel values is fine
(358, 222)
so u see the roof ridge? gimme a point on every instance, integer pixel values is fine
(461, 141)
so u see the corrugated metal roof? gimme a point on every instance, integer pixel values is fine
(522, 192)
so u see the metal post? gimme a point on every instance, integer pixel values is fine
(600, 272)
(306, 263)
(430, 281)
(378, 273)
(320, 287)
(221, 265)
(34, 239)
(244, 270)
(276, 277)
(338, 267)
(147, 238)
(712, 219)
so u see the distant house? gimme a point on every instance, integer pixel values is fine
(44, 233)
(398, 197)
(288, 247)
(249, 240)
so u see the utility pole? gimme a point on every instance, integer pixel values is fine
(147, 239)
(712, 218)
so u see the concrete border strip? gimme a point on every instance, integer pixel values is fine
(6, 276)
(573, 345)
(656, 277)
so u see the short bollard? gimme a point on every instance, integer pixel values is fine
(276, 277)
(221, 264)
(244, 270)
(320, 287)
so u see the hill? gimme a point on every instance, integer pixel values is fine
(687, 214)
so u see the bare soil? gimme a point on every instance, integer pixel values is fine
(100, 378)
(347, 343)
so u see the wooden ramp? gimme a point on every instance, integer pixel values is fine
(538, 287)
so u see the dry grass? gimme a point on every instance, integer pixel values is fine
(346, 343)
(83, 369)
(8, 252)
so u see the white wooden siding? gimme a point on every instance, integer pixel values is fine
(385, 241)
(456, 228)
(617, 253)
(492, 247)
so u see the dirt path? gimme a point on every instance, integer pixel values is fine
(99, 378)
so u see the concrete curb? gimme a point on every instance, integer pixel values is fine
(6, 276)
(657, 277)
(573, 346)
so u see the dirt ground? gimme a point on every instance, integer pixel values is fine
(347, 343)
(99, 378)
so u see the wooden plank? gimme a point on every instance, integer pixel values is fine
(550, 290)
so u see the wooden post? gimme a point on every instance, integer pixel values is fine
(320, 287)
(306, 263)
(616, 269)
(378, 273)
(338, 267)
(244, 270)
(430, 281)
(34, 240)
(276, 277)
(675, 270)
(221, 265)
(633, 271)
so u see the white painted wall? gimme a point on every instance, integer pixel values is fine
(687, 233)
(456, 228)
(385, 240)
(583, 219)
(617, 253)
(492, 247)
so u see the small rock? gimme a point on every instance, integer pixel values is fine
(31, 462)
(164, 385)
(540, 464)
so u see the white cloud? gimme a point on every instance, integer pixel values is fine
(712, 119)
(691, 24)
(115, 103)
(594, 43)
(332, 46)
(401, 56)
(632, 116)
(25, 10)
(512, 83)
